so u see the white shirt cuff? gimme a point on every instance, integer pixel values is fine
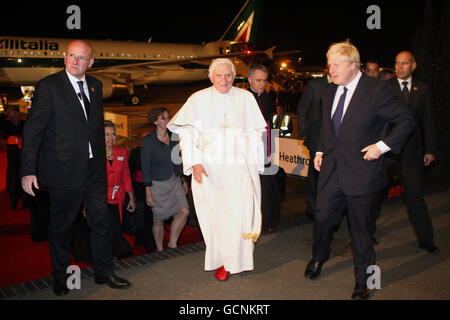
(383, 147)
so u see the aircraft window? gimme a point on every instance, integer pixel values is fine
(25, 53)
(58, 53)
(32, 53)
(45, 53)
(159, 56)
(129, 55)
(112, 54)
(18, 52)
(38, 53)
(123, 54)
(11, 52)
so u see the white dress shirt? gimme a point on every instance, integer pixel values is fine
(400, 82)
(76, 87)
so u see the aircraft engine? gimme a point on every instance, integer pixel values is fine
(110, 87)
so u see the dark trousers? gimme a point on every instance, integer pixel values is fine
(120, 244)
(13, 184)
(64, 208)
(270, 201)
(412, 179)
(311, 187)
(332, 203)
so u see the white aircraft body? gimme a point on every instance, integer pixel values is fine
(125, 64)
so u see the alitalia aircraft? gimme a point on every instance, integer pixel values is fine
(123, 64)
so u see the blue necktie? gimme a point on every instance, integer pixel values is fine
(87, 104)
(337, 116)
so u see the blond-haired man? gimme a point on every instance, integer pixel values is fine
(355, 117)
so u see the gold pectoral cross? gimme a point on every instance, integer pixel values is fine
(224, 125)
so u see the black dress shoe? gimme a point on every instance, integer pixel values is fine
(60, 288)
(313, 269)
(114, 282)
(431, 249)
(361, 292)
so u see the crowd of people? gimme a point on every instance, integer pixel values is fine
(359, 130)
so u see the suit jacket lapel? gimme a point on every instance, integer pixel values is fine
(71, 96)
(398, 90)
(92, 97)
(328, 105)
(359, 93)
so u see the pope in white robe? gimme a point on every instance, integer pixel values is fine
(220, 131)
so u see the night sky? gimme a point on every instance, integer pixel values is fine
(310, 26)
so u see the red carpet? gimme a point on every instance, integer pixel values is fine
(23, 260)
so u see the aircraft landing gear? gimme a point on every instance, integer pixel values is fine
(132, 100)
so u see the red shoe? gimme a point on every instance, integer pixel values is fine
(222, 274)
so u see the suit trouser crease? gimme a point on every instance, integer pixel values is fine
(411, 177)
(65, 205)
(332, 203)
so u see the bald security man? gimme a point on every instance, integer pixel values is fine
(64, 150)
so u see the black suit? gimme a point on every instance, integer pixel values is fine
(309, 115)
(346, 180)
(265, 104)
(270, 187)
(410, 162)
(56, 149)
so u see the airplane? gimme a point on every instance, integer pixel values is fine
(123, 65)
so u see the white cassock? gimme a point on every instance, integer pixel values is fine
(223, 133)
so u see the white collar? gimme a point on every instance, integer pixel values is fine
(400, 81)
(222, 95)
(258, 94)
(73, 79)
(352, 85)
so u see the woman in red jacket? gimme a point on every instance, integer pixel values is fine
(119, 183)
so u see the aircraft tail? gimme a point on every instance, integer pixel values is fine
(244, 26)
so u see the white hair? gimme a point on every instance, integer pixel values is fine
(219, 61)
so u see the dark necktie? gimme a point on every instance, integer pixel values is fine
(87, 104)
(405, 92)
(259, 100)
(337, 116)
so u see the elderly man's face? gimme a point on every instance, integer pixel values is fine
(258, 81)
(372, 69)
(222, 78)
(341, 71)
(404, 65)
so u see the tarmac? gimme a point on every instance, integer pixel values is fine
(280, 257)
